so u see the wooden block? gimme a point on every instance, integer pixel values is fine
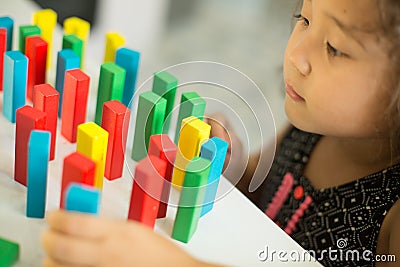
(45, 98)
(74, 43)
(77, 26)
(66, 60)
(113, 41)
(77, 168)
(76, 88)
(36, 52)
(38, 159)
(46, 19)
(92, 142)
(191, 200)
(82, 198)
(165, 84)
(115, 121)
(161, 146)
(8, 24)
(193, 133)
(149, 120)
(111, 86)
(191, 105)
(15, 81)
(9, 252)
(3, 49)
(214, 150)
(146, 190)
(129, 60)
(28, 119)
(81, 29)
(25, 31)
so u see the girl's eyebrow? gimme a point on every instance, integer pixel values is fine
(348, 30)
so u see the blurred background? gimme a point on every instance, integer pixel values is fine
(248, 35)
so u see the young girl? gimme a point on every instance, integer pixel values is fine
(338, 161)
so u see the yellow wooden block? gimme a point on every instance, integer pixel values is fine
(46, 19)
(81, 29)
(113, 41)
(77, 26)
(92, 142)
(194, 132)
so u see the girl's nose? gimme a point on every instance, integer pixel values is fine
(300, 59)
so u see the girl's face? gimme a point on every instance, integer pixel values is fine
(335, 63)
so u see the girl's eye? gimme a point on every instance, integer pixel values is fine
(333, 51)
(303, 20)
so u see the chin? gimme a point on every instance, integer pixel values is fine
(299, 120)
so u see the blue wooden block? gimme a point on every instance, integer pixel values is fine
(38, 158)
(82, 198)
(66, 60)
(129, 60)
(214, 150)
(8, 24)
(15, 82)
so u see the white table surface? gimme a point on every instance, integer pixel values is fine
(233, 233)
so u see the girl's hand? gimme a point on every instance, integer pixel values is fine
(76, 239)
(220, 127)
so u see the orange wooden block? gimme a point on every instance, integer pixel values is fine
(45, 98)
(146, 191)
(75, 98)
(27, 119)
(115, 121)
(36, 51)
(77, 169)
(3, 49)
(161, 146)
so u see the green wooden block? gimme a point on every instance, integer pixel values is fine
(111, 86)
(165, 84)
(9, 253)
(25, 31)
(192, 197)
(149, 120)
(191, 105)
(74, 43)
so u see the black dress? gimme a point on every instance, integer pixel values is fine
(343, 221)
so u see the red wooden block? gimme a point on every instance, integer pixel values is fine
(77, 169)
(75, 97)
(146, 190)
(36, 52)
(27, 119)
(45, 98)
(161, 146)
(115, 121)
(3, 49)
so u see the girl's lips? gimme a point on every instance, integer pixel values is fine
(293, 95)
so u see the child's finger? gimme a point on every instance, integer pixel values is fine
(219, 126)
(68, 250)
(49, 262)
(77, 224)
